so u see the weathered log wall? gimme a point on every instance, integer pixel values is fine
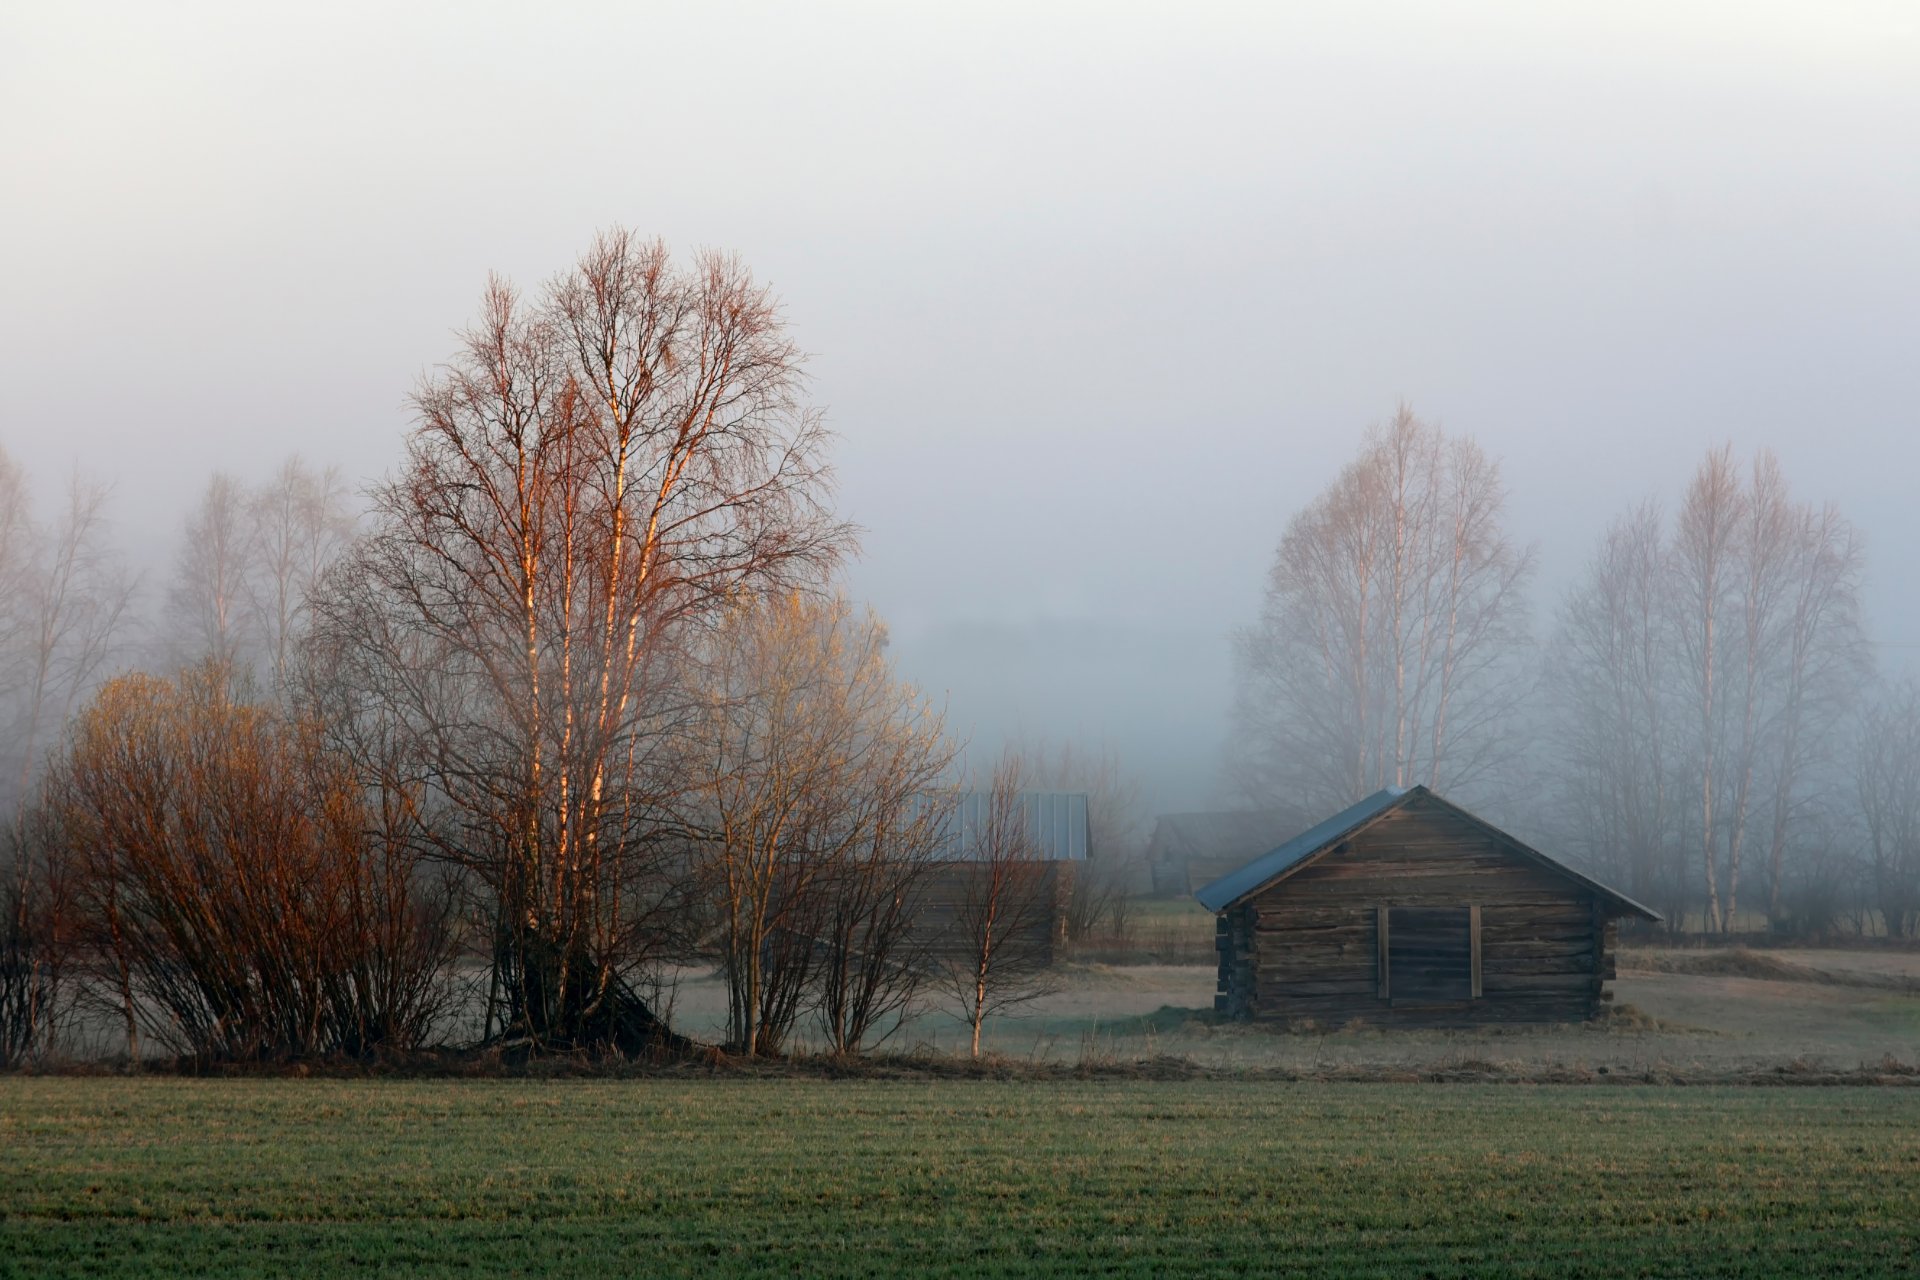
(1310, 947)
(947, 887)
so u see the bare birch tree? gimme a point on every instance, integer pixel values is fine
(1612, 668)
(1000, 952)
(1719, 662)
(1705, 572)
(1391, 642)
(67, 612)
(299, 524)
(593, 476)
(1765, 595)
(77, 599)
(207, 610)
(1819, 665)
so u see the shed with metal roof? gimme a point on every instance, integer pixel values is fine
(1051, 831)
(1406, 908)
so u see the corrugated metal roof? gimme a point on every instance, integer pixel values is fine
(1056, 821)
(1235, 885)
(1230, 888)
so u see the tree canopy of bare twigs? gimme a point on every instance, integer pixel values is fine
(1391, 644)
(596, 473)
(817, 779)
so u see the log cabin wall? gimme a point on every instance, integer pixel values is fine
(1310, 946)
(947, 886)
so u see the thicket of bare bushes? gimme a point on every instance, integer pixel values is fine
(238, 892)
(36, 988)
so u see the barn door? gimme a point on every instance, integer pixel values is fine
(1430, 955)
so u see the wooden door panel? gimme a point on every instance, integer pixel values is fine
(1429, 955)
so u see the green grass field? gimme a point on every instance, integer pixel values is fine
(168, 1177)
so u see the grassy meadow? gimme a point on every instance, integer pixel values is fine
(754, 1176)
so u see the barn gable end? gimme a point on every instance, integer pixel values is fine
(1408, 909)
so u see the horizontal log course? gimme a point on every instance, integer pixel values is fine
(1496, 983)
(1352, 992)
(1536, 929)
(1534, 948)
(1411, 868)
(1439, 891)
(1538, 965)
(1359, 947)
(1345, 920)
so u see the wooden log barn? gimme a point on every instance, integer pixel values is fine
(1406, 909)
(1057, 837)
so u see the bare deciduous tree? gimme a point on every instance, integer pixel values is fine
(1388, 650)
(814, 779)
(64, 616)
(299, 524)
(76, 601)
(1765, 598)
(875, 959)
(593, 476)
(1000, 952)
(1612, 666)
(207, 605)
(1887, 782)
(1721, 662)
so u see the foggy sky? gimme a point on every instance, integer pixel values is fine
(1097, 296)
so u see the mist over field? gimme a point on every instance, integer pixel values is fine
(1095, 299)
(1036, 639)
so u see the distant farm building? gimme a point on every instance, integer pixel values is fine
(1407, 909)
(1188, 850)
(1055, 827)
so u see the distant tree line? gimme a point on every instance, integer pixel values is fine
(1702, 723)
(575, 703)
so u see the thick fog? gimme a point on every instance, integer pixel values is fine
(1096, 298)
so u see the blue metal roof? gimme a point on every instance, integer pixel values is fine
(1235, 885)
(1056, 821)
